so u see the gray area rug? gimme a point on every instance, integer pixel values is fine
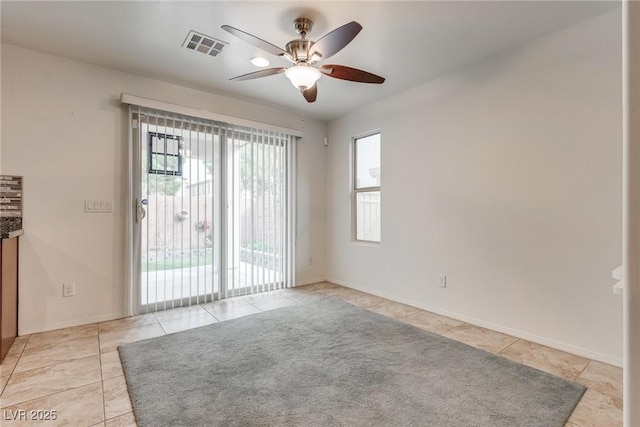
(329, 363)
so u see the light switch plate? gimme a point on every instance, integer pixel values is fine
(98, 206)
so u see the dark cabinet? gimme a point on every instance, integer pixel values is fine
(9, 294)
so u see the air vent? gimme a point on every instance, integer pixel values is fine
(203, 43)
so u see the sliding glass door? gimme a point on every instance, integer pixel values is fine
(213, 210)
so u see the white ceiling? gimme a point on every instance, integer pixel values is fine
(407, 42)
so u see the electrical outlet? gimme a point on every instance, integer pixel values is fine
(68, 289)
(442, 280)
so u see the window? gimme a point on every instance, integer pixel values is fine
(366, 187)
(164, 154)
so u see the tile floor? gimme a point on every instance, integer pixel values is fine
(77, 373)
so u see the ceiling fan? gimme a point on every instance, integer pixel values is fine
(304, 54)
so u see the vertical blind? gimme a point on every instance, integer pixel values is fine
(214, 209)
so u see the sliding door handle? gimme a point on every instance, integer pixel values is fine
(141, 213)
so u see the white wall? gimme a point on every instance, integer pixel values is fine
(64, 129)
(506, 176)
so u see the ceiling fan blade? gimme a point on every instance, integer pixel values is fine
(258, 74)
(257, 42)
(311, 94)
(333, 42)
(352, 74)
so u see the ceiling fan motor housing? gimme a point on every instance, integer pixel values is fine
(299, 49)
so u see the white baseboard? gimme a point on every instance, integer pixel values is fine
(35, 329)
(558, 345)
(311, 281)
(61, 325)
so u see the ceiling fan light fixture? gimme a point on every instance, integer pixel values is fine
(259, 61)
(303, 76)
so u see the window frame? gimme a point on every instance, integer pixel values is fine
(164, 137)
(355, 190)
